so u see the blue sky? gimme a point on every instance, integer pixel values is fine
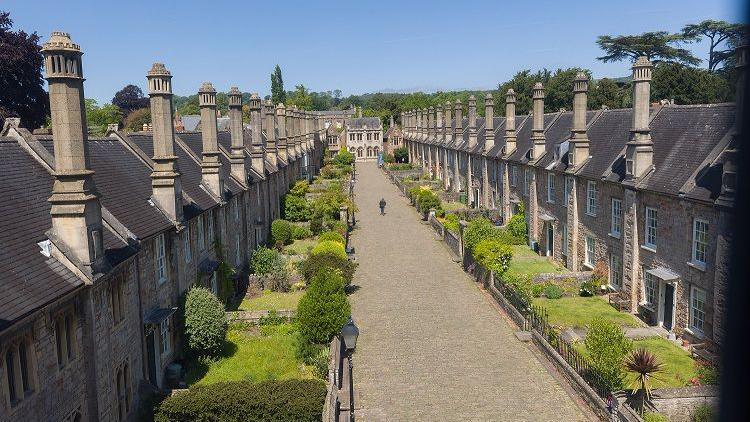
(355, 46)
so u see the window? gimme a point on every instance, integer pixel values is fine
(369, 136)
(161, 259)
(649, 289)
(214, 284)
(19, 370)
(376, 135)
(615, 270)
(117, 297)
(616, 225)
(591, 198)
(526, 181)
(236, 210)
(122, 381)
(565, 239)
(238, 256)
(590, 251)
(351, 136)
(550, 187)
(201, 234)
(566, 191)
(186, 245)
(697, 309)
(513, 175)
(651, 215)
(700, 241)
(164, 336)
(210, 225)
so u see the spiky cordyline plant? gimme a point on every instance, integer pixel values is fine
(644, 365)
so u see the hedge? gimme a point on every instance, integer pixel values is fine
(288, 400)
(329, 246)
(314, 263)
(493, 255)
(324, 308)
(331, 235)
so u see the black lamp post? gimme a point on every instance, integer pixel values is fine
(349, 333)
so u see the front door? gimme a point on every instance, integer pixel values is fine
(151, 358)
(550, 239)
(668, 306)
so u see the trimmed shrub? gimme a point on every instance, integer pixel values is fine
(477, 230)
(427, 199)
(205, 322)
(506, 237)
(401, 155)
(517, 224)
(329, 246)
(266, 261)
(314, 263)
(300, 188)
(537, 289)
(324, 308)
(315, 355)
(589, 288)
(493, 255)
(607, 347)
(300, 232)
(287, 400)
(451, 223)
(521, 284)
(334, 236)
(343, 158)
(281, 232)
(316, 224)
(553, 291)
(296, 208)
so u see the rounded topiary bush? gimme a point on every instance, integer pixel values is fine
(331, 235)
(324, 308)
(477, 230)
(300, 232)
(296, 208)
(288, 400)
(314, 263)
(329, 246)
(205, 322)
(281, 232)
(553, 291)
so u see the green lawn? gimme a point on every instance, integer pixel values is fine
(272, 301)
(253, 357)
(525, 261)
(300, 247)
(679, 366)
(577, 311)
(453, 206)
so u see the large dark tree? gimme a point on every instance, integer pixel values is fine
(606, 92)
(22, 91)
(722, 36)
(659, 46)
(688, 85)
(130, 98)
(278, 95)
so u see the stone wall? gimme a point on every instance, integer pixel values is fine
(679, 404)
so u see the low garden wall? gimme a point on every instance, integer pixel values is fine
(578, 276)
(254, 317)
(678, 404)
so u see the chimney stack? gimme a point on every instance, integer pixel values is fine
(210, 165)
(237, 157)
(489, 123)
(537, 128)
(472, 121)
(579, 142)
(165, 177)
(270, 126)
(439, 134)
(430, 123)
(257, 153)
(459, 130)
(639, 152)
(281, 145)
(75, 208)
(510, 122)
(448, 109)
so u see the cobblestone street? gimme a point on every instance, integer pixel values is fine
(432, 347)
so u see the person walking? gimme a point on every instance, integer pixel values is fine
(382, 206)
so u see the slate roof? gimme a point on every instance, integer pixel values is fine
(194, 141)
(29, 279)
(190, 122)
(361, 122)
(607, 138)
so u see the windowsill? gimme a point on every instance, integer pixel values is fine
(590, 214)
(647, 306)
(613, 288)
(695, 333)
(162, 281)
(587, 265)
(649, 248)
(615, 235)
(550, 202)
(697, 265)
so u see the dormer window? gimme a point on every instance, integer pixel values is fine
(628, 167)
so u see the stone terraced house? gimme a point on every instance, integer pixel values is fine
(100, 237)
(364, 138)
(647, 191)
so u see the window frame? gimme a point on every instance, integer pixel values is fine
(591, 198)
(694, 293)
(164, 336)
(615, 225)
(187, 249)
(696, 242)
(650, 232)
(568, 188)
(650, 284)
(201, 234)
(615, 271)
(564, 230)
(551, 188)
(513, 176)
(160, 258)
(589, 256)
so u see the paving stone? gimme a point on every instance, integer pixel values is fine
(432, 347)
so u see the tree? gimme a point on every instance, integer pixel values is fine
(189, 107)
(607, 346)
(688, 85)
(558, 92)
(130, 98)
(605, 92)
(301, 98)
(205, 322)
(522, 84)
(401, 155)
(135, 120)
(720, 34)
(278, 95)
(644, 365)
(22, 91)
(97, 118)
(659, 46)
(324, 309)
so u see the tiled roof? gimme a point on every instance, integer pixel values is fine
(607, 138)
(194, 141)
(361, 122)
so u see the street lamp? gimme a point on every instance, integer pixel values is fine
(349, 333)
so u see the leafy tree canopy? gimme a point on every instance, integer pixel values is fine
(130, 98)
(278, 95)
(723, 38)
(658, 46)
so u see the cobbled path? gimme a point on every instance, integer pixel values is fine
(432, 347)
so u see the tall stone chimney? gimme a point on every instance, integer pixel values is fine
(257, 152)
(418, 124)
(639, 153)
(579, 141)
(165, 177)
(448, 110)
(210, 165)
(270, 127)
(391, 121)
(459, 130)
(237, 157)
(439, 134)
(510, 122)
(291, 132)
(430, 122)
(537, 128)
(472, 121)
(489, 123)
(75, 208)
(281, 145)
